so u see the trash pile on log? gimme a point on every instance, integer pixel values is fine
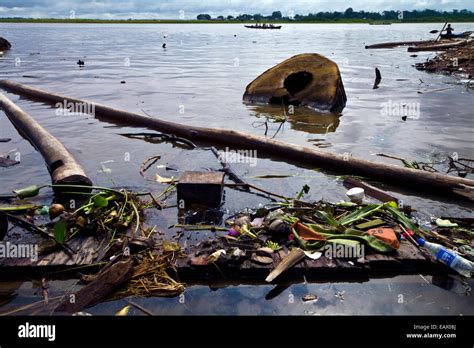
(457, 60)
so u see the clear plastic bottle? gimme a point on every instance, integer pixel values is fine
(448, 257)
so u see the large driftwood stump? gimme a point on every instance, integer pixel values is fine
(4, 44)
(309, 80)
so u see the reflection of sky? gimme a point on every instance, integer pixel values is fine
(190, 8)
(403, 295)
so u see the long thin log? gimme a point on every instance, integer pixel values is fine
(419, 179)
(62, 166)
(396, 44)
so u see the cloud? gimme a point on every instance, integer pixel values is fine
(172, 8)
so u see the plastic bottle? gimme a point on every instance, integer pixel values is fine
(448, 257)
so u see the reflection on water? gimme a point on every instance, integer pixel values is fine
(300, 118)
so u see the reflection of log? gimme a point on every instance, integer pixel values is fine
(62, 166)
(419, 179)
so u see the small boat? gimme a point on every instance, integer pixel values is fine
(263, 26)
(380, 23)
(453, 36)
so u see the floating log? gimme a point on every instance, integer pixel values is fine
(397, 44)
(62, 166)
(102, 286)
(435, 183)
(438, 47)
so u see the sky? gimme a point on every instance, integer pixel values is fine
(188, 9)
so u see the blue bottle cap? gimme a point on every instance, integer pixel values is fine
(421, 241)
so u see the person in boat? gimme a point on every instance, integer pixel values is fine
(449, 30)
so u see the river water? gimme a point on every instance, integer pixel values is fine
(199, 79)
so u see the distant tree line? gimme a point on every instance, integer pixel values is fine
(351, 15)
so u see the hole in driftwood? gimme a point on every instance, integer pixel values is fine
(298, 81)
(55, 165)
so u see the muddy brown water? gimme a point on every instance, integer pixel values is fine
(199, 79)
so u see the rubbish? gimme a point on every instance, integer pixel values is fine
(233, 232)
(313, 255)
(55, 210)
(264, 260)
(279, 228)
(309, 298)
(264, 251)
(448, 257)
(387, 235)
(44, 210)
(242, 220)
(199, 261)
(238, 252)
(123, 312)
(356, 194)
(295, 255)
(372, 191)
(216, 255)
(163, 180)
(257, 222)
(200, 188)
(307, 233)
(445, 223)
(309, 80)
(171, 246)
(340, 295)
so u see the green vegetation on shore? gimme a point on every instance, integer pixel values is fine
(348, 16)
(177, 21)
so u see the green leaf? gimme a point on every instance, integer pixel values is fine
(30, 191)
(60, 229)
(100, 202)
(326, 217)
(18, 208)
(360, 213)
(400, 217)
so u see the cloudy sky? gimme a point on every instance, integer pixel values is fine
(122, 9)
